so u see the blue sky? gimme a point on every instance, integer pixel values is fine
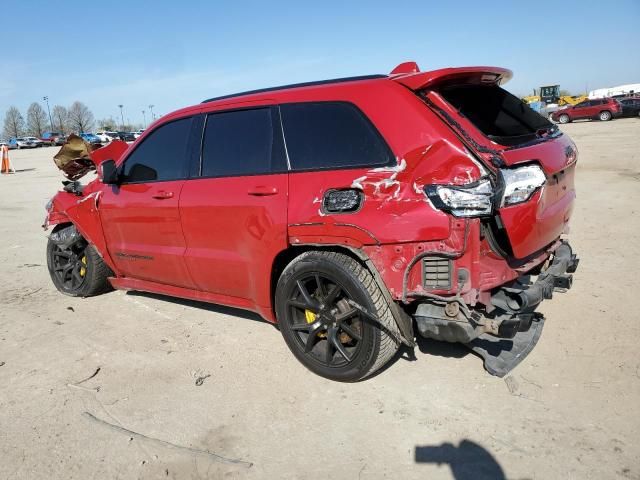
(173, 54)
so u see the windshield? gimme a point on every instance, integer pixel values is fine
(498, 114)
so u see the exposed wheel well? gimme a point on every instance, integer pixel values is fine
(60, 226)
(285, 257)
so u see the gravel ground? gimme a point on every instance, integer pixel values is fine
(130, 385)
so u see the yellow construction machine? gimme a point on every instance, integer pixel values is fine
(551, 94)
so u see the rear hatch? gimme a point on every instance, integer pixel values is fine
(504, 133)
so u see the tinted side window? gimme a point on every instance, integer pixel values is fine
(331, 135)
(242, 142)
(162, 155)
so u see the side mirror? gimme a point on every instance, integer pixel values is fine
(109, 172)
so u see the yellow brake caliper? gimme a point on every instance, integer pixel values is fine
(309, 316)
(83, 269)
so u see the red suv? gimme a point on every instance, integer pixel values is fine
(602, 108)
(351, 212)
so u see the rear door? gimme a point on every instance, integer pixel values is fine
(234, 208)
(140, 216)
(584, 110)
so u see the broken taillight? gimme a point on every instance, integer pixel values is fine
(472, 200)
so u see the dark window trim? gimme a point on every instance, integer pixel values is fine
(393, 161)
(186, 163)
(195, 144)
(276, 130)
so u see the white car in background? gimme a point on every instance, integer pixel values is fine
(107, 137)
(35, 140)
(138, 133)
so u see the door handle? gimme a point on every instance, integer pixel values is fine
(162, 195)
(262, 191)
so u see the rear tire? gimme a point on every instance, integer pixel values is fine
(605, 115)
(564, 118)
(77, 270)
(324, 332)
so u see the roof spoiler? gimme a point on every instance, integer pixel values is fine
(409, 75)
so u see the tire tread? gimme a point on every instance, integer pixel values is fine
(388, 344)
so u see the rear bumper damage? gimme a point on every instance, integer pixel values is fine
(506, 329)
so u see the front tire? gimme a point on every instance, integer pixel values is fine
(605, 115)
(564, 118)
(76, 268)
(321, 327)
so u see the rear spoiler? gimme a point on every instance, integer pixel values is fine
(409, 75)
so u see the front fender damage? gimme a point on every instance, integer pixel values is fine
(78, 204)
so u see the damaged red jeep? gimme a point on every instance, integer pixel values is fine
(352, 212)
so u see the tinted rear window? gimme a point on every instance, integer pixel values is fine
(331, 135)
(498, 114)
(241, 143)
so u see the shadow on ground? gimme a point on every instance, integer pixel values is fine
(468, 461)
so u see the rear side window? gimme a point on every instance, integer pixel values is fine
(162, 155)
(498, 114)
(331, 135)
(242, 142)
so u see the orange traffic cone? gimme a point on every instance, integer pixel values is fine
(6, 163)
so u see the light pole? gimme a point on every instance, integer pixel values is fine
(144, 118)
(46, 99)
(121, 116)
(151, 110)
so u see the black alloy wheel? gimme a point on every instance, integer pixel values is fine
(328, 328)
(334, 317)
(75, 267)
(70, 265)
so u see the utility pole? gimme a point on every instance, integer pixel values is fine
(46, 99)
(121, 116)
(151, 110)
(144, 118)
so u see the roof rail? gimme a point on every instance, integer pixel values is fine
(297, 85)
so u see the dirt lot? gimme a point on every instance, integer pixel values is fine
(189, 390)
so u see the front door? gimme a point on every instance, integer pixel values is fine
(141, 216)
(234, 213)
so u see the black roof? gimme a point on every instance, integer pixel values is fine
(298, 85)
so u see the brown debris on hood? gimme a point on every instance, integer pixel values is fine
(74, 158)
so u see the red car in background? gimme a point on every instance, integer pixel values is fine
(597, 109)
(351, 212)
(53, 138)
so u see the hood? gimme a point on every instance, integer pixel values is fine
(77, 157)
